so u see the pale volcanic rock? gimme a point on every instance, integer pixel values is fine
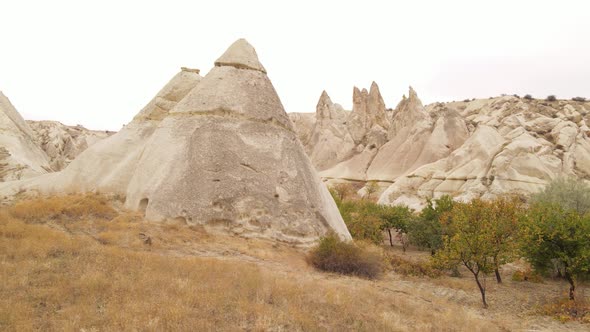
(20, 155)
(109, 164)
(478, 148)
(218, 151)
(303, 124)
(368, 114)
(228, 157)
(516, 147)
(62, 143)
(329, 141)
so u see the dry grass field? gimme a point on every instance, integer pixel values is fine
(78, 263)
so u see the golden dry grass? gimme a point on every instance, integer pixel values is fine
(93, 270)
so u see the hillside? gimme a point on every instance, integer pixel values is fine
(78, 262)
(467, 149)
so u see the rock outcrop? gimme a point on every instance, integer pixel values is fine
(20, 155)
(479, 148)
(62, 143)
(218, 151)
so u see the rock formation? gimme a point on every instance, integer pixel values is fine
(20, 155)
(479, 148)
(218, 151)
(62, 143)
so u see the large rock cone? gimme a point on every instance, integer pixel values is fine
(220, 152)
(228, 157)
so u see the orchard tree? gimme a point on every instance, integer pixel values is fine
(396, 218)
(554, 234)
(470, 242)
(505, 216)
(426, 230)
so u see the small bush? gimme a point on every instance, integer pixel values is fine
(528, 97)
(517, 96)
(527, 275)
(580, 99)
(551, 98)
(566, 310)
(408, 267)
(466, 100)
(334, 255)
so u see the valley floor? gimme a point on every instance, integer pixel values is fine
(110, 272)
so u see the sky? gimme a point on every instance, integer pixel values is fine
(97, 63)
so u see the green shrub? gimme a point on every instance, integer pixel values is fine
(334, 255)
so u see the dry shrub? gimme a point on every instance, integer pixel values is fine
(566, 310)
(334, 255)
(67, 207)
(413, 268)
(527, 275)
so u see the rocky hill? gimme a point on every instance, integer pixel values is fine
(20, 155)
(62, 143)
(473, 148)
(32, 148)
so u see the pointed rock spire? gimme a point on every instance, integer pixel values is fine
(240, 55)
(324, 107)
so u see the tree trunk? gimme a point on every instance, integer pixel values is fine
(481, 289)
(498, 276)
(390, 238)
(497, 270)
(572, 285)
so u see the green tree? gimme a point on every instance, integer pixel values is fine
(363, 219)
(426, 230)
(396, 218)
(569, 193)
(505, 216)
(554, 234)
(469, 243)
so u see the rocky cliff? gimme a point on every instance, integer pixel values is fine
(476, 148)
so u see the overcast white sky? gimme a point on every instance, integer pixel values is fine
(98, 63)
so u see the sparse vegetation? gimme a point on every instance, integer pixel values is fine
(95, 272)
(579, 99)
(528, 97)
(410, 267)
(371, 188)
(565, 310)
(334, 255)
(551, 98)
(68, 207)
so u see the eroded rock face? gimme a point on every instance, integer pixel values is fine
(20, 155)
(218, 151)
(62, 143)
(481, 148)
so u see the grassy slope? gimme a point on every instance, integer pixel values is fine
(72, 263)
